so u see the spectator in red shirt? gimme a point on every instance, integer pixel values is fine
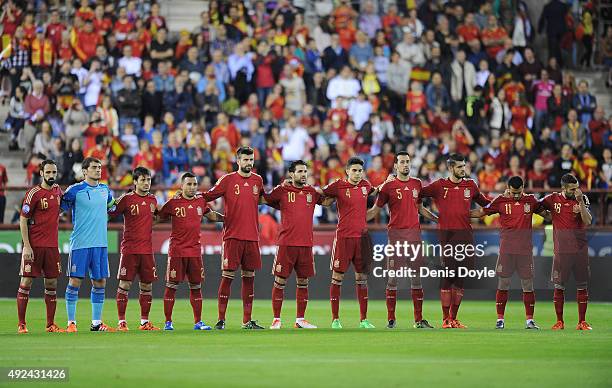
(493, 37)
(226, 130)
(377, 173)
(102, 24)
(537, 178)
(468, 31)
(55, 28)
(598, 126)
(87, 41)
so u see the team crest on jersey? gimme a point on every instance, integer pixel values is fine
(309, 198)
(199, 211)
(364, 191)
(415, 193)
(123, 271)
(466, 193)
(576, 208)
(26, 208)
(527, 208)
(173, 273)
(27, 268)
(255, 190)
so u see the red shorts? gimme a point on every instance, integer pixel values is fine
(181, 268)
(566, 263)
(287, 258)
(508, 263)
(132, 264)
(46, 263)
(399, 262)
(240, 253)
(347, 250)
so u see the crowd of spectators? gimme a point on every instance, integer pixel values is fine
(107, 79)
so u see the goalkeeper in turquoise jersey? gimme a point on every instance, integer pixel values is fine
(89, 201)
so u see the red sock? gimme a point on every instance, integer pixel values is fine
(301, 300)
(558, 299)
(122, 301)
(50, 303)
(248, 285)
(445, 300)
(145, 298)
(225, 289)
(501, 297)
(582, 297)
(195, 297)
(529, 301)
(457, 296)
(362, 297)
(278, 295)
(417, 302)
(334, 298)
(23, 295)
(391, 296)
(169, 302)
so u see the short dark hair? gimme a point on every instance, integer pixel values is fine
(88, 161)
(401, 153)
(140, 171)
(46, 162)
(515, 182)
(244, 151)
(187, 175)
(296, 163)
(454, 159)
(568, 179)
(354, 160)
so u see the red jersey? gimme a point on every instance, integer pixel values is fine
(297, 208)
(403, 200)
(241, 200)
(454, 201)
(186, 219)
(515, 219)
(42, 209)
(352, 203)
(569, 234)
(137, 214)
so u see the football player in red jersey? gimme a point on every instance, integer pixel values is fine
(454, 196)
(296, 201)
(402, 196)
(516, 248)
(241, 191)
(185, 255)
(39, 223)
(138, 208)
(570, 215)
(351, 242)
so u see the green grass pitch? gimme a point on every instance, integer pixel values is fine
(477, 357)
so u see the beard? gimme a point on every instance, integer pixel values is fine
(246, 169)
(50, 181)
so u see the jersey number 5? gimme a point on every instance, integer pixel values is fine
(399, 193)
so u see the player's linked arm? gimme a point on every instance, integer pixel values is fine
(428, 214)
(477, 213)
(214, 216)
(372, 212)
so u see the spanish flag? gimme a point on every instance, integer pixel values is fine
(117, 148)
